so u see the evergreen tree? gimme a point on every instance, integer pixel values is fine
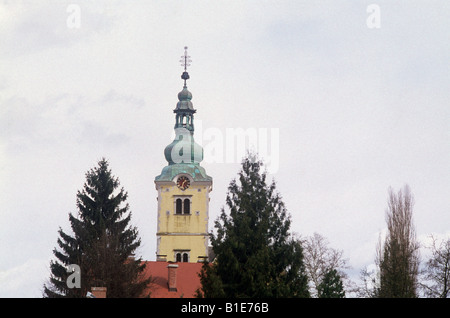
(102, 244)
(211, 284)
(331, 285)
(256, 254)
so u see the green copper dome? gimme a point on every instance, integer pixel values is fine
(197, 172)
(183, 154)
(184, 98)
(183, 149)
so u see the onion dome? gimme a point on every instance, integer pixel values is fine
(183, 154)
(184, 98)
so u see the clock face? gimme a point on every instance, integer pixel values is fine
(183, 182)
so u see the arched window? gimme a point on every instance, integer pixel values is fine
(179, 206)
(182, 205)
(181, 256)
(187, 206)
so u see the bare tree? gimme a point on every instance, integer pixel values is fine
(398, 258)
(435, 280)
(369, 284)
(321, 259)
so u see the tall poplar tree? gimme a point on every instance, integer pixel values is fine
(398, 258)
(102, 244)
(256, 255)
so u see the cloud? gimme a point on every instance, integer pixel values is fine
(30, 27)
(25, 280)
(96, 136)
(68, 119)
(358, 109)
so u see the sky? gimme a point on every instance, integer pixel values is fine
(344, 99)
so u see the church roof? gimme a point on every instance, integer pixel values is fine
(187, 279)
(183, 154)
(184, 101)
(197, 172)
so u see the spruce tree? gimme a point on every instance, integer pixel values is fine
(102, 244)
(331, 285)
(256, 254)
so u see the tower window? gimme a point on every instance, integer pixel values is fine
(187, 206)
(182, 205)
(182, 256)
(179, 206)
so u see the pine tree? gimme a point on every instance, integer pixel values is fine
(331, 285)
(256, 254)
(102, 244)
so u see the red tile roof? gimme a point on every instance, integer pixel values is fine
(188, 280)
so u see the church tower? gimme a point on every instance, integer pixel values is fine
(183, 189)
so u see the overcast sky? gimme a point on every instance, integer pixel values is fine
(348, 109)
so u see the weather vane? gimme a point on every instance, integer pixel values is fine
(185, 61)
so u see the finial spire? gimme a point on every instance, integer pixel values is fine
(185, 61)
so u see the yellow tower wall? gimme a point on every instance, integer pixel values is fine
(181, 232)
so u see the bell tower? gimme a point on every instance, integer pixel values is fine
(183, 189)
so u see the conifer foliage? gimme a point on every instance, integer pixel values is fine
(102, 243)
(256, 256)
(331, 285)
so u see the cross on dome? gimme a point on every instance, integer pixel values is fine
(185, 62)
